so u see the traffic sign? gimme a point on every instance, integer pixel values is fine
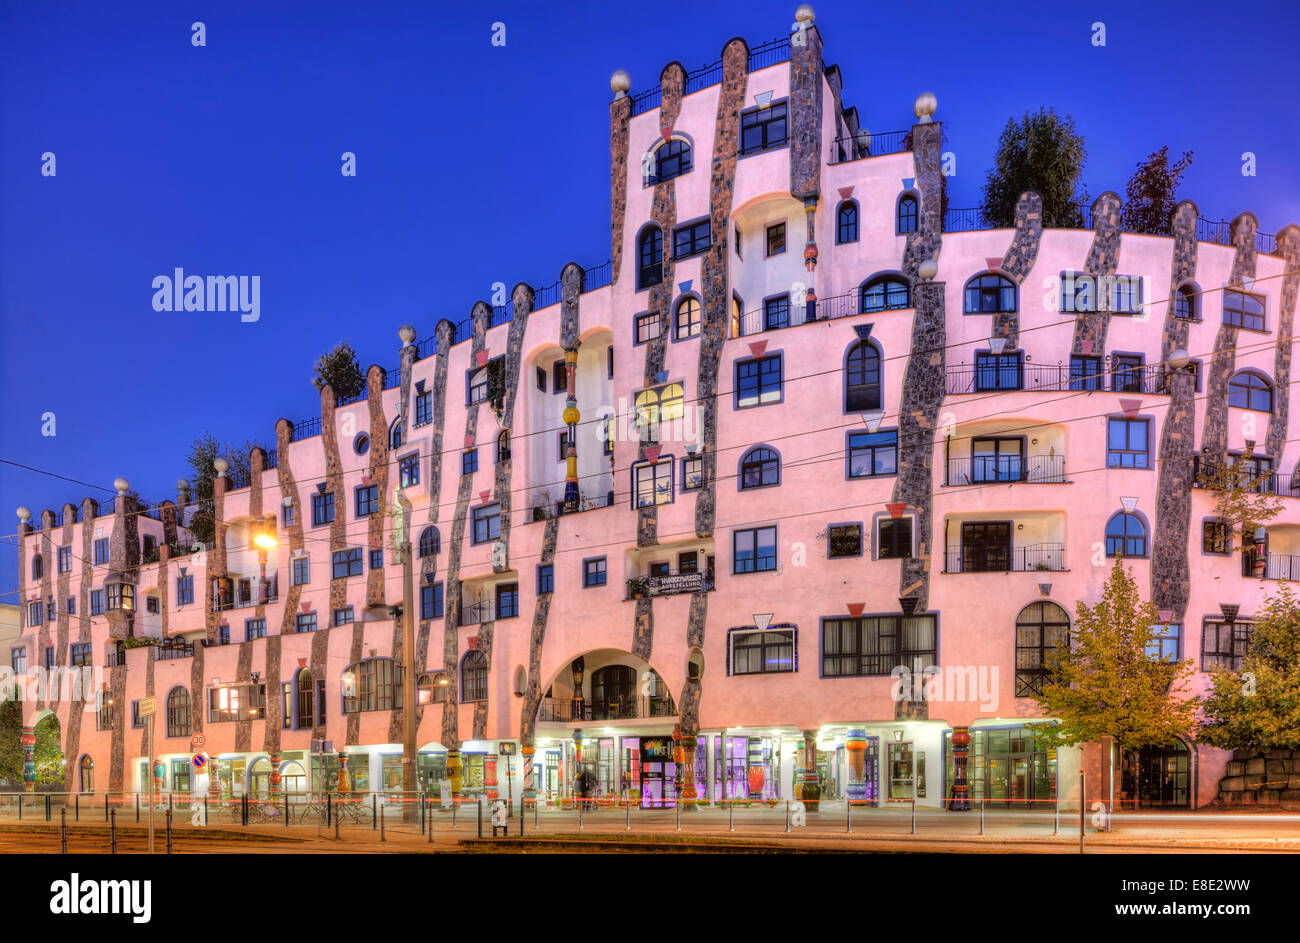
(146, 706)
(197, 741)
(199, 760)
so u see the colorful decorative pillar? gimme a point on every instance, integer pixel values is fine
(571, 418)
(689, 792)
(810, 257)
(755, 775)
(275, 772)
(454, 773)
(530, 789)
(1260, 560)
(214, 778)
(810, 790)
(28, 741)
(578, 668)
(856, 745)
(960, 787)
(490, 776)
(159, 774)
(344, 783)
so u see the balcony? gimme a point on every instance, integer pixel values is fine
(986, 558)
(1011, 469)
(1009, 374)
(1277, 566)
(802, 312)
(172, 648)
(670, 585)
(1255, 479)
(557, 710)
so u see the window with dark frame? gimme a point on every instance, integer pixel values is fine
(753, 550)
(876, 645)
(652, 483)
(775, 239)
(1085, 372)
(776, 312)
(758, 381)
(764, 128)
(367, 500)
(1243, 309)
(649, 326)
(1126, 534)
(347, 563)
(1225, 644)
(469, 462)
(487, 523)
(771, 651)
(650, 258)
(1249, 390)
(998, 372)
(688, 317)
(692, 473)
(1128, 443)
(844, 540)
(559, 377)
(545, 578)
(894, 538)
(507, 600)
(759, 468)
(862, 390)
(431, 601)
(423, 409)
(594, 572)
(846, 222)
(873, 453)
(1042, 628)
(908, 215)
(671, 159)
(990, 294)
(692, 239)
(322, 508)
(408, 470)
(1185, 304)
(541, 379)
(886, 293)
(1216, 537)
(473, 677)
(1126, 373)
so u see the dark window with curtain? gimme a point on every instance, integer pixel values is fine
(876, 645)
(862, 378)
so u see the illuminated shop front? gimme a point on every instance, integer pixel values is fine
(1008, 766)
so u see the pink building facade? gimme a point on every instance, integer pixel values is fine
(867, 435)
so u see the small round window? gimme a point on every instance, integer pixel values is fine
(361, 443)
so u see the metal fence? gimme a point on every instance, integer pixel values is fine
(993, 559)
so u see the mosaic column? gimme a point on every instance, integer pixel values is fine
(454, 774)
(755, 777)
(530, 790)
(689, 793)
(960, 787)
(810, 788)
(29, 758)
(159, 775)
(490, 776)
(343, 785)
(577, 711)
(810, 258)
(575, 774)
(571, 418)
(856, 745)
(275, 773)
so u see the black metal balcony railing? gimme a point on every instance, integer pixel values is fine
(170, 649)
(306, 429)
(1058, 378)
(887, 142)
(1282, 484)
(563, 710)
(1277, 566)
(981, 559)
(116, 658)
(986, 469)
(822, 309)
(670, 585)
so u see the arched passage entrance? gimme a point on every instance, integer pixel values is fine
(1158, 776)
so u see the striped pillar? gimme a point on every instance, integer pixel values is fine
(856, 746)
(530, 788)
(29, 758)
(275, 772)
(344, 783)
(571, 418)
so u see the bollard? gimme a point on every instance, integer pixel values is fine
(169, 831)
(428, 835)
(678, 804)
(479, 805)
(382, 836)
(523, 809)
(137, 809)
(337, 819)
(787, 815)
(731, 816)
(63, 831)
(105, 807)
(535, 805)
(579, 815)
(629, 816)
(982, 801)
(205, 809)
(243, 809)
(374, 811)
(914, 815)
(329, 809)
(424, 811)
(169, 802)
(848, 815)
(112, 831)
(20, 805)
(47, 807)
(453, 811)
(1083, 824)
(77, 817)
(286, 810)
(1056, 818)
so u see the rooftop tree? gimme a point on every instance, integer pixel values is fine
(1152, 193)
(339, 368)
(1041, 152)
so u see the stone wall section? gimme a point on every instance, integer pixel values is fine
(1090, 328)
(1018, 262)
(1288, 242)
(1222, 364)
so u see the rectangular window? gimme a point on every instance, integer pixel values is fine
(894, 538)
(50, 614)
(376, 559)
(995, 372)
(648, 327)
(322, 508)
(753, 550)
(408, 470)
(184, 591)
(1244, 310)
(18, 659)
(763, 128)
(367, 500)
(995, 459)
(1124, 293)
(559, 376)
(775, 239)
(692, 473)
(593, 572)
(431, 601)
(1216, 537)
(101, 550)
(691, 239)
(223, 634)
(507, 600)
(301, 570)
(254, 628)
(423, 409)
(65, 559)
(289, 515)
(541, 379)
(236, 702)
(652, 483)
(873, 453)
(343, 616)
(545, 578)
(79, 654)
(49, 656)
(758, 381)
(769, 652)
(72, 605)
(1224, 644)
(487, 523)
(609, 360)
(305, 622)
(469, 462)
(563, 450)
(35, 613)
(876, 645)
(97, 599)
(1126, 373)
(152, 605)
(1127, 443)
(136, 720)
(1085, 373)
(347, 563)
(476, 382)
(1165, 644)
(776, 312)
(844, 540)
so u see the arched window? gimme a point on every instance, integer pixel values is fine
(38, 567)
(907, 214)
(503, 446)
(862, 378)
(430, 542)
(665, 404)
(688, 317)
(473, 677)
(306, 699)
(1126, 534)
(671, 159)
(613, 693)
(178, 712)
(760, 468)
(886, 293)
(87, 773)
(1041, 628)
(1249, 390)
(395, 434)
(433, 688)
(990, 294)
(372, 685)
(846, 222)
(1185, 303)
(650, 257)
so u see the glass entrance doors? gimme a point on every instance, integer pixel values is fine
(1164, 776)
(902, 771)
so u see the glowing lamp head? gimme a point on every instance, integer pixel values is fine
(265, 542)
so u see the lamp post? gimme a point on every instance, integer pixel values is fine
(409, 679)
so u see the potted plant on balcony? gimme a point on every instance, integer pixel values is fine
(638, 587)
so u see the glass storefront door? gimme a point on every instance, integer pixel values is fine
(901, 771)
(658, 773)
(1164, 775)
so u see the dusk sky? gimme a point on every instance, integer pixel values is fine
(475, 164)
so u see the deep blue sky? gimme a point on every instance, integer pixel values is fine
(476, 164)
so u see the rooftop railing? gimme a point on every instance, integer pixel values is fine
(886, 142)
(773, 52)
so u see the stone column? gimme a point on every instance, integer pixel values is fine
(810, 789)
(571, 418)
(275, 773)
(28, 741)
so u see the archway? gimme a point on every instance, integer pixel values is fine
(1158, 776)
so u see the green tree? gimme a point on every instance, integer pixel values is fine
(1151, 194)
(203, 452)
(49, 752)
(1242, 499)
(1258, 707)
(1109, 682)
(1040, 152)
(11, 748)
(339, 368)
